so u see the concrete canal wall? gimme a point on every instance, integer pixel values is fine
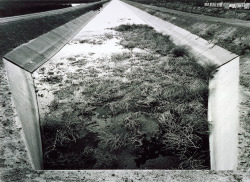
(21, 63)
(24, 99)
(223, 104)
(223, 95)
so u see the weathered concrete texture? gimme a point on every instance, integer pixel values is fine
(24, 98)
(36, 52)
(203, 49)
(24, 60)
(224, 114)
(57, 12)
(224, 93)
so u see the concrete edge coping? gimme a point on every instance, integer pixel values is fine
(31, 55)
(180, 36)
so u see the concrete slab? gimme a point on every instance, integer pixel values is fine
(74, 24)
(36, 52)
(41, 46)
(24, 98)
(25, 58)
(53, 39)
(64, 31)
(198, 44)
(183, 31)
(219, 55)
(223, 112)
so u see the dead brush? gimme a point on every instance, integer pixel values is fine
(119, 106)
(145, 56)
(193, 162)
(108, 35)
(136, 140)
(141, 36)
(112, 142)
(118, 57)
(132, 121)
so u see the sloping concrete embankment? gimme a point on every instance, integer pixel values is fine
(223, 89)
(21, 63)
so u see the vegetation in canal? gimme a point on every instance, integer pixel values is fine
(132, 110)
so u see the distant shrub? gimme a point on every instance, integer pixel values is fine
(129, 27)
(129, 44)
(145, 37)
(105, 161)
(179, 52)
(245, 49)
(108, 35)
(120, 56)
(123, 28)
(53, 79)
(83, 41)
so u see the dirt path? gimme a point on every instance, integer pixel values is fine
(203, 17)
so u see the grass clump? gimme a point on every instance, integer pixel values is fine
(179, 52)
(53, 79)
(120, 56)
(145, 37)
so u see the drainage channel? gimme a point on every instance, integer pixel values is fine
(98, 95)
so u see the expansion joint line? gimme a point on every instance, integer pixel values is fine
(183, 37)
(228, 61)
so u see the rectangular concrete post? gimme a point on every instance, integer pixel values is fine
(24, 98)
(223, 112)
